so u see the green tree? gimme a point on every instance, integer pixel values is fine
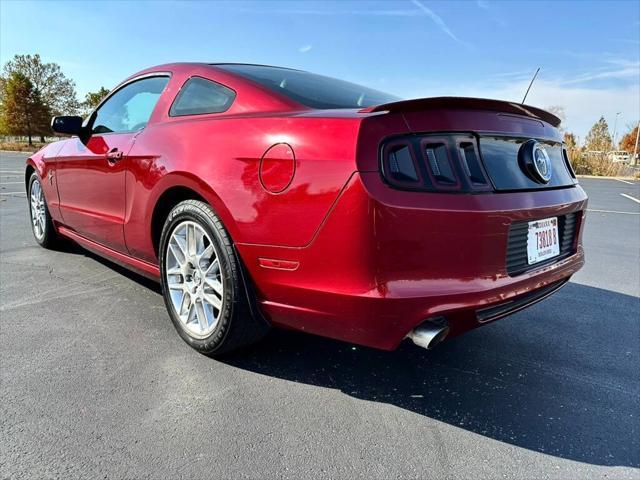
(22, 111)
(57, 91)
(93, 99)
(598, 139)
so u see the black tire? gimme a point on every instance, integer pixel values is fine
(237, 326)
(50, 238)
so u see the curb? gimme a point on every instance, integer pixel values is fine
(606, 177)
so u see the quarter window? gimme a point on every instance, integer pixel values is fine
(130, 108)
(199, 95)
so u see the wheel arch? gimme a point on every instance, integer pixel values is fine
(175, 188)
(30, 168)
(33, 164)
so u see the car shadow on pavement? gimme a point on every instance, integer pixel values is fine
(560, 378)
(69, 247)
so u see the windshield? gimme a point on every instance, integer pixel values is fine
(309, 89)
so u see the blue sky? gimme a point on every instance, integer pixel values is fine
(589, 51)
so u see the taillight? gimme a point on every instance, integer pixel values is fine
(400, 165)
(447, 163)
(439, 164)
(567, 163)
(470, 159)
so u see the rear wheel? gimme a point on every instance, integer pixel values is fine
(41, 223)
(202, 282)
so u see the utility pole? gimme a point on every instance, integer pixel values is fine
(615, 128)
(635, 150)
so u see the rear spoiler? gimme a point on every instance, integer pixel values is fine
(465, 103)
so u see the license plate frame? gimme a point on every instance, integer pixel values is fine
(543, 240)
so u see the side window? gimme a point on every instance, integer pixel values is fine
(199, 95)
(129, 109)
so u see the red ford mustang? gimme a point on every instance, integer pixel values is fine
(265, 196)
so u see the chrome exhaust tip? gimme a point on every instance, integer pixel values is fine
(430, 333)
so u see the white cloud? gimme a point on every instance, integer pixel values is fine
(439, 22)
(583, 105)
(607, 74)
(611, 85)
(407, 12)
(421, 11)
(305, 48)
(488, 8)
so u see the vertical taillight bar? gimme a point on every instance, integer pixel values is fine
(445, 163)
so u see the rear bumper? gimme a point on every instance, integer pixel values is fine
(385, 260)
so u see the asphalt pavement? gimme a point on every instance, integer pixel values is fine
(95, 382)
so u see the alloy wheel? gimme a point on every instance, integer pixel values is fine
(38, 212)
(194, 279)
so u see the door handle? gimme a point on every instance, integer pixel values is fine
(114, 155)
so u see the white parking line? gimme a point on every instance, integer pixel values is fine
(630, 197)
(13, 193)
(611, 211)
(11, 183)
(10, 171)
(624, 181)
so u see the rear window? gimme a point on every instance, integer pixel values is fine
(199, 95)
(309, 89)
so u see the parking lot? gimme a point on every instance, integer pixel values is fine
(95, 382)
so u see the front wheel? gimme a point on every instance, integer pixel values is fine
(202, 282)
(41, 222)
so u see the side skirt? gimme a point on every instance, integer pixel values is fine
(149, 270)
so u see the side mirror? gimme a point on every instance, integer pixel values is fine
(69, 125)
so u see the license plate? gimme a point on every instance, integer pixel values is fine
(543, 241)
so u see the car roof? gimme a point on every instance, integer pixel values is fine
(255, 65)
(267, 99)
(173, 65)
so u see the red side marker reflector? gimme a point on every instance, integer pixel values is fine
(278, 264)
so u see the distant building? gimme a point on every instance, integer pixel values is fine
(619, 156)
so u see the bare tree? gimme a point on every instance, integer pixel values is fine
(559, 112)
(570, 140)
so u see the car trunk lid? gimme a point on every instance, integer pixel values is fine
(466, 103)
(501, 130)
